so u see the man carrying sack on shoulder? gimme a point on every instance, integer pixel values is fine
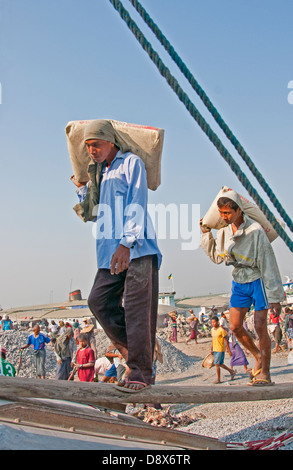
(243, 244)
(127, 254)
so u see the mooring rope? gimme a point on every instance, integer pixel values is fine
(171, 80)
(214, 112)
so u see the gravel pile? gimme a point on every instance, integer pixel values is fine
(244, 422)
(174, 361)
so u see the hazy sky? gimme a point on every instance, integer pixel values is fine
(69, 60)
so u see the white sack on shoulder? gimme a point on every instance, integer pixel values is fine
(212, 218)
(144, 141)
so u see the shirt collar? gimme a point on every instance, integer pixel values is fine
(118, 155)
(241, 227)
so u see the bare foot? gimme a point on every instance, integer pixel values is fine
(233, 373)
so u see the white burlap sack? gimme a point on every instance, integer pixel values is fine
(212, 219)
(144, 141)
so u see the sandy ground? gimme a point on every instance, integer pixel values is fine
(281, 371)
(240, 421)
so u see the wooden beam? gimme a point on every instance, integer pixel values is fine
(106, 395)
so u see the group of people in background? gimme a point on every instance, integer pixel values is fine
(70, 343)
(192, 320)
(278, 325)
(74, 346)
(223, 339)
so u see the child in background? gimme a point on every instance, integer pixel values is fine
(5, 367)
(85, 360)
(116, 358)
(218, 348)
(173, 316)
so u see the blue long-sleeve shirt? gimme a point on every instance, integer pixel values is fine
(122, 212)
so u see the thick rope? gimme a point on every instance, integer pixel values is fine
(198, 89)
(164, 71)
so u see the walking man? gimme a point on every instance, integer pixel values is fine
(127, 253)
(256, 278)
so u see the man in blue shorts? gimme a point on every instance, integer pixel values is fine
(256, 278)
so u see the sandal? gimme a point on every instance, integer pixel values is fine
(253, 373)
(260, 382)
(123, 387)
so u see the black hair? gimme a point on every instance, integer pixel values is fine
(83, 337)
(225, 201)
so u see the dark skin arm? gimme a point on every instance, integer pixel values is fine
(83, 366)
(109, 354)
(78, 184)
(120, 260)
(204, 229)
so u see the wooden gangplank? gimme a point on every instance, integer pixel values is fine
(24, 397)
(107, 395)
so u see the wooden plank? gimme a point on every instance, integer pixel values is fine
(106, 395)
(88, 422)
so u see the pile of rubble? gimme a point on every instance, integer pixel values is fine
(174, 361)
(163, 417)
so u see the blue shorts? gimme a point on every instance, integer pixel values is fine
(248, 294)
(219, 358)
(112, 372)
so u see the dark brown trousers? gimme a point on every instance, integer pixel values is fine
(126, 306)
